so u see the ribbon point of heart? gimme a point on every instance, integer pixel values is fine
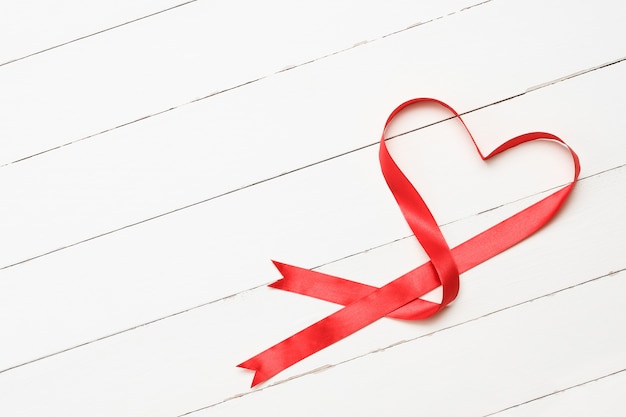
(400, 298)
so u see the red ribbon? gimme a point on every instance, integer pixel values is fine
(364, 304)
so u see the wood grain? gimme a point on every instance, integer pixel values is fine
(202, 346)
(156, 155)
(201, 257)
(513, 356)
(173, 58)
(33, 26)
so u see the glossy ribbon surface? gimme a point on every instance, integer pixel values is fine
(364, 304)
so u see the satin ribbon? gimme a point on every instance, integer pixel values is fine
(364, 304)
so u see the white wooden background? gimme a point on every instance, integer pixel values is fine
(155, 155)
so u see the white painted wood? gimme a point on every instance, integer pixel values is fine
(187, 361)
(185, 54)
(223, 247)
(201, 150)
(603, 397)
(472, 370)
(165, 309)
(31, 26)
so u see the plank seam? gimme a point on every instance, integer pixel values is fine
(402, 342)
(221, 91)
(274, 177)
(264, 284)
(463, 218)
(80, 38)
(557, 392)
(575, 74)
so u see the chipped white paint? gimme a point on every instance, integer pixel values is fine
(133, 259)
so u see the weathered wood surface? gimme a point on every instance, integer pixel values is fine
(155, 157)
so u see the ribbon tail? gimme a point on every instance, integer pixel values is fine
(313, 284)
(260, 373)
(344, 292)
(342, 323)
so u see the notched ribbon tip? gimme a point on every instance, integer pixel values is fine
(278, 283)
(259, 377)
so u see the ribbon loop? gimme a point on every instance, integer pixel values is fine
(400, 298)
(419, 217)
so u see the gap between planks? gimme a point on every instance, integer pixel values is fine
(178, 313)
(438, 331)
(274, 177)
(542, 397)
(218, 92)
(80, 38)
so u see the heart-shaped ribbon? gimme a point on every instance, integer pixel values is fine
(364, 304)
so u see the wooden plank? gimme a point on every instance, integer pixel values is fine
(187, 361)
(505, 359)
(173, 58)
(201, 151)
(60, 208)
(604, 396)
(195, 256)
(31, 26)
(151, 319)
(92, 86)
